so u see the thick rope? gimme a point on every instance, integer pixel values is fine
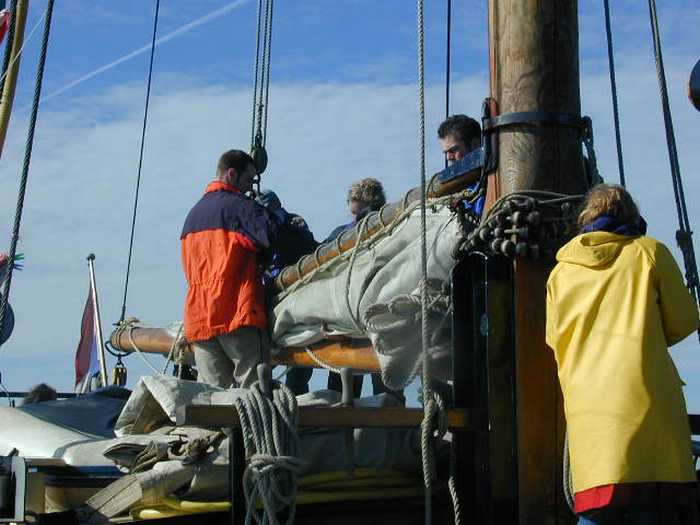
(269, 427)
(320, 362)
(613, 89)
(256, 73)
(428, 402)
(5, 296)
(684, 233)
(138, 176)
(267, 69)
(261, 83)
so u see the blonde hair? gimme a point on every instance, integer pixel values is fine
(611, 200)
(369, 191)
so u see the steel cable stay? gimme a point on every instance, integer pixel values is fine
(613, 91)
(261, 85)
(6, 285)
(119, 371)
(684, 232)
(138, 176)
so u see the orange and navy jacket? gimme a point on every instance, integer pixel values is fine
(222, 237)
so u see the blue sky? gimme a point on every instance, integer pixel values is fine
(342, 106)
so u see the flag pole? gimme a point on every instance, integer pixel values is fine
(98, 321)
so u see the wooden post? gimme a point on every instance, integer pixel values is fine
(534, 67)
(8, 91)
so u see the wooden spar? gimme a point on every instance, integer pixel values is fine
(534, 67)
(375, 222)
(8, 91)
(356, 354)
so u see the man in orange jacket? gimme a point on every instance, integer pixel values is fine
(224, 239)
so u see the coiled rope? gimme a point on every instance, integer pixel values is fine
(5, 296)
(269, 425)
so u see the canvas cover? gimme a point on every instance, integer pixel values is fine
(374, 293)
(166, 459)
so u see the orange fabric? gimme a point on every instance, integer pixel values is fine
(225, 286)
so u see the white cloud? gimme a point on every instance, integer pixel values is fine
(321, 138)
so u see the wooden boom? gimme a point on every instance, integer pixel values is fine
(357, 354)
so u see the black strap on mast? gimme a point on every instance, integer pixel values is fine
(5, 296)
(684, 232)
(138, 176)
(613, 90)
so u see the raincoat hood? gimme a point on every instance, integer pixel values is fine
(594, 249)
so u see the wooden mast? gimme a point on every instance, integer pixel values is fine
(8, 91)
(534, 67)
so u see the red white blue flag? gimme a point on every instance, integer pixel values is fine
(86, 361)
(4, 23)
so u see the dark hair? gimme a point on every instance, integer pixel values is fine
(234, 158)
(611, 200)
(462, 127)
(40, 392)
(369, 191)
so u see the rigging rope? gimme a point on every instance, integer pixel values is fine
(261, 83)
(684, 233)
(138, 177)
(269, 424)
(448, 65)
(5, 295)
(428, 402)
(613, 89)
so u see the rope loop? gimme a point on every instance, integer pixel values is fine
(269, 426)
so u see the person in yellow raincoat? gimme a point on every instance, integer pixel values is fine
(615, 302)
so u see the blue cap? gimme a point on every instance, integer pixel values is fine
(269, 199)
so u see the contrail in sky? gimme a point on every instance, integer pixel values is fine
(183, 29)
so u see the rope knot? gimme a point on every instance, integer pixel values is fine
(269, 424)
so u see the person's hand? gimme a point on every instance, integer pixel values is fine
(3, 259)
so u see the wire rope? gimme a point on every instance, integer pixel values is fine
(684, 233)
(5, 296)
(138, 176)
(613, 90)
(428, 404)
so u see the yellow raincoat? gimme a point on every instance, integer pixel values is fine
(614, 305)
